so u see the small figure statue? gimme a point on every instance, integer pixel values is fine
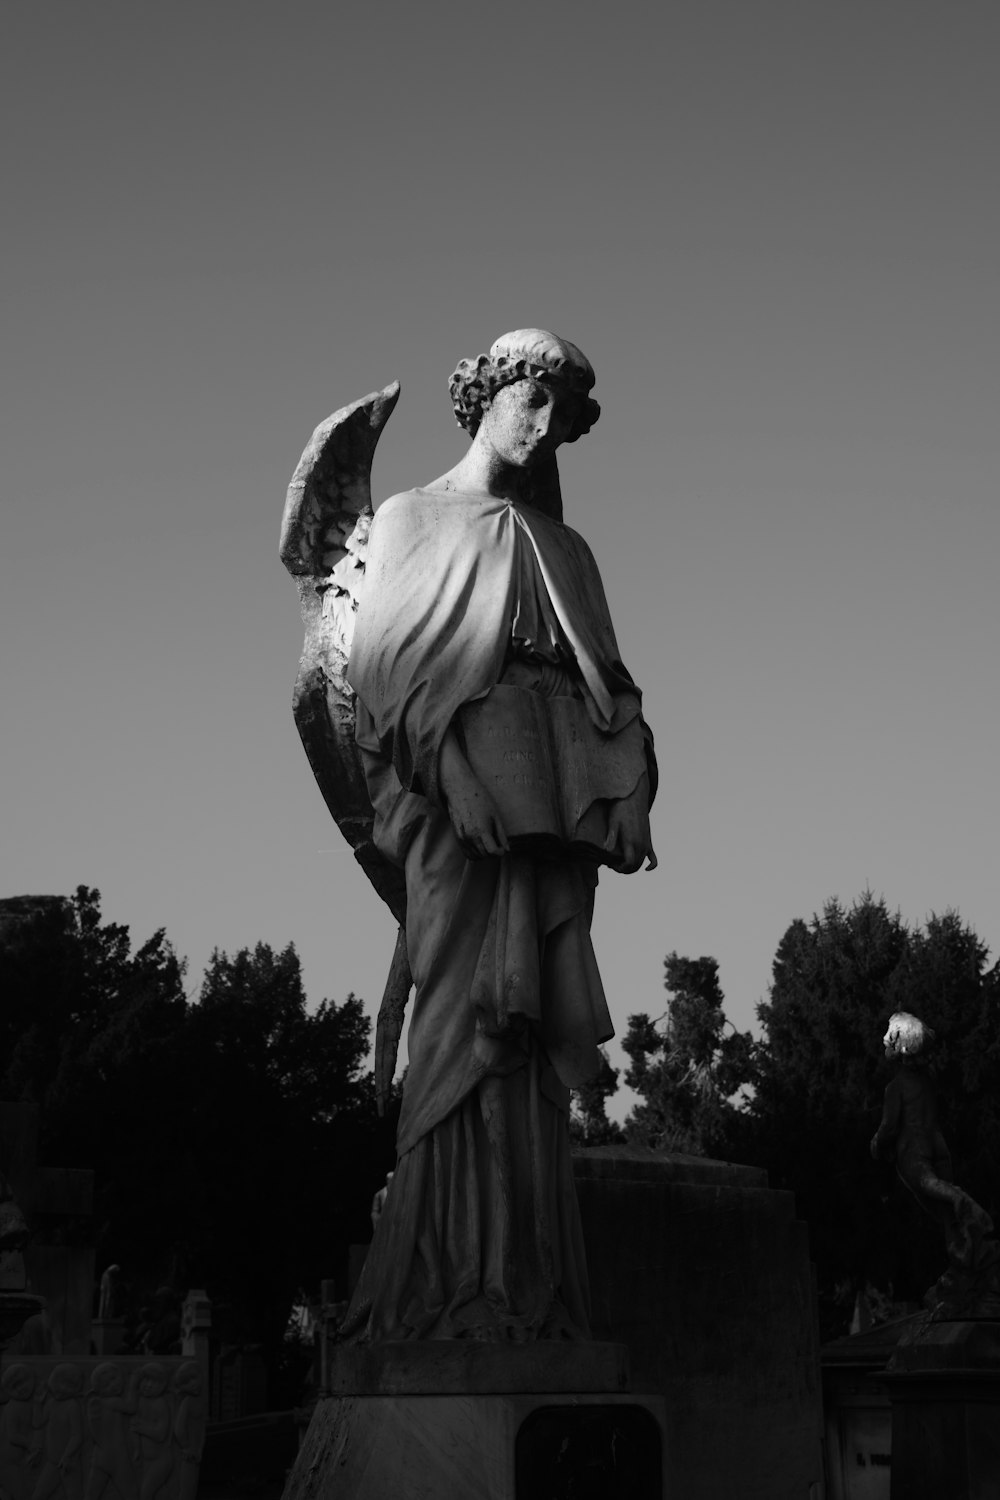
(63, 1436)
(910, 1134)
(20, 1421)
(190, 1422)
(13, 1226)
(109, 1407)
(152, 1452)
(14, 1235)
(107, 1306)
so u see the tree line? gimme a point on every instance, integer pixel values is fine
(234, 1135)
(236, 1143)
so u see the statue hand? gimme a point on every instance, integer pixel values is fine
(474, 815)
(629, 838)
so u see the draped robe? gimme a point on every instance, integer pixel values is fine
(480, 1234)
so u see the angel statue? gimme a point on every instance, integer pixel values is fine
(466, 712)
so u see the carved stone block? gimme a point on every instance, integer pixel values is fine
(130, 1426)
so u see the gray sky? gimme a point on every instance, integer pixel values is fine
(775, 231)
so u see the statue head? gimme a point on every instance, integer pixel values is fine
(106, 1380)
(525, 354)
(152, 1380)
(65, 1381)
(906, 1035)
(17, 1383)
(187, 1379)
(13, 1225)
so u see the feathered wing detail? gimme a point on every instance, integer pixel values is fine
(324, 545)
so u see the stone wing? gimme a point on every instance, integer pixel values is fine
(324, 544)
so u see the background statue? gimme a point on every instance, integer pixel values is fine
(910, 1134)
(14, 1233)
(464, 705)
(109, 1296)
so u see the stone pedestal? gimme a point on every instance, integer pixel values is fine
(107, 1335)
(59, 1260)
(703, 1271)
(858, 1411)
(196, 1330)
(945, 1393)
(444, 1421)
(15, 1310)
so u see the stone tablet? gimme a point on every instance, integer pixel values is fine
(553, 775)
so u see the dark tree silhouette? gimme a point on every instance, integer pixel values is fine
(819, 1080)
(686, 1067)
(234, 1139)
(589, 1124)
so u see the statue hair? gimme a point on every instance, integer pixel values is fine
(541, 356)
(907, 1034)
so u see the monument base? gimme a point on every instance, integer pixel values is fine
(703, 1271)
(945, 1393)
(443, 1421)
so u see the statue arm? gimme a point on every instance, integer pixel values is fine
(474, 814)
(629, 834)
(889, 1127)
(652, 770)
(630, 819)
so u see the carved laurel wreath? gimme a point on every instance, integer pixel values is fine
(476, 381)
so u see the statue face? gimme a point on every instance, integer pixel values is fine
(526, 422)
(18, 1383)
(65, 1381)
(187, 1381)
(153, 1380)
(107, 1380)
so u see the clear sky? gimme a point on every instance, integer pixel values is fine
(775, 231)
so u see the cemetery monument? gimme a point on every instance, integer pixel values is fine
(467, 714)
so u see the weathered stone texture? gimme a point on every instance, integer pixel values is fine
(704, 1273)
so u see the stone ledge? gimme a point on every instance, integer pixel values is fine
(443, 1367)
(961, 1345)
(631, 1163)
(451, 1447)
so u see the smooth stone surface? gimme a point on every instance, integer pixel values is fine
(973, 1344)
(945, 1393)
(440, 1367)
(636, 1164)
(945, 1436)
(858, 1412)
(15, 1310)
(704, 1272)
(457, 1447)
